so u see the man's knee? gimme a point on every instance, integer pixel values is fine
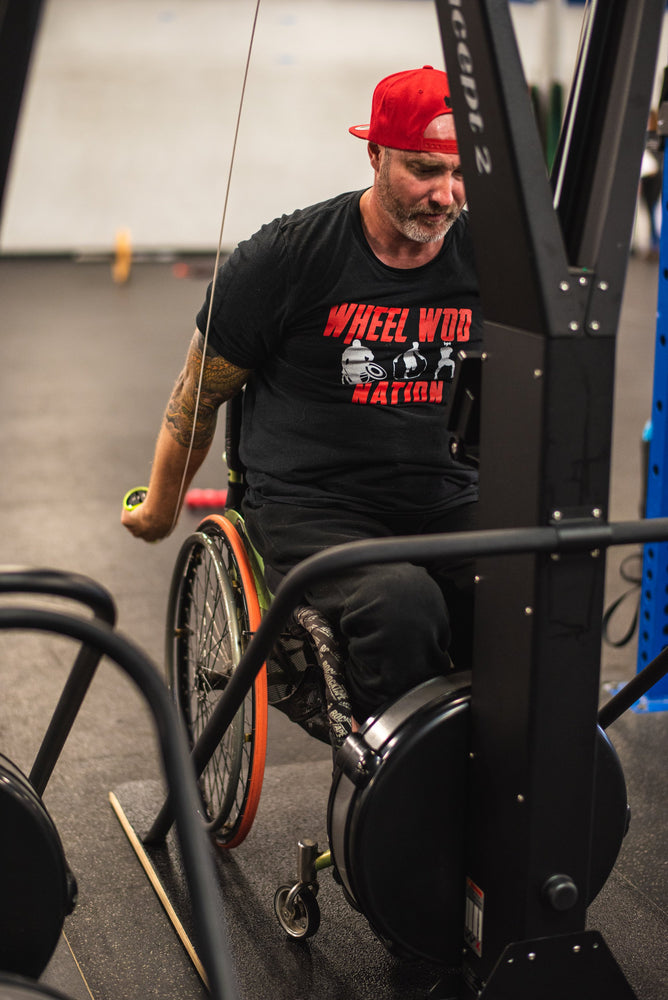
(398, 634)
(395, 600)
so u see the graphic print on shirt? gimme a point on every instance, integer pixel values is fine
(358, 366)
(446, 364)
(421, 370)
(410, 364)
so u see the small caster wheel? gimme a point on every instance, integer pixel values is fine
(297, 910)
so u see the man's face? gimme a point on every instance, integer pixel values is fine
(422, 193)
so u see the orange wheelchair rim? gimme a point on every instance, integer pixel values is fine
(256, 775)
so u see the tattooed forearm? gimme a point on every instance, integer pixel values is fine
(220, 382)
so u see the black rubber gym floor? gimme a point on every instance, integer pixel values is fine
(87, 366)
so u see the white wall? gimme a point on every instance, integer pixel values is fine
(131, 106)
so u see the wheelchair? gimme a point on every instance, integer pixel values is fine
(398, 799)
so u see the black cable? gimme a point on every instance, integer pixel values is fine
(635, 579)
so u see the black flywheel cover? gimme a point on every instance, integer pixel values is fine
(34, 890)
(398, 811)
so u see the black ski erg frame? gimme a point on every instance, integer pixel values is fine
(552, 261)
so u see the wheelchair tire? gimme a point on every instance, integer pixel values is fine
(36, 889)
(212, 613)
(396, 819)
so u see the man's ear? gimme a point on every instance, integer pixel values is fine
(374, 151)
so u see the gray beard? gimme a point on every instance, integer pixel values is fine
(414, 231)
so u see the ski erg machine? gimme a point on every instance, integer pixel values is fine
(551, 259)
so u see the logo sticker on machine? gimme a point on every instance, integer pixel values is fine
(475, 904)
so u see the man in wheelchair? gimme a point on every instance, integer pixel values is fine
(336, 320)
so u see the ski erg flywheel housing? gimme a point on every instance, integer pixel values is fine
(397, 815)
(37, 890)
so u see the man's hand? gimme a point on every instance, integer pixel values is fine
(142, 523)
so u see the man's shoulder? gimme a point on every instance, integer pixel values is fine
(317, 217)
(320, 213)
(302, 235)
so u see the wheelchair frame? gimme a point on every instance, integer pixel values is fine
(202, 653)
(217, 598)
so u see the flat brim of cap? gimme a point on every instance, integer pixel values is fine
(361, 131)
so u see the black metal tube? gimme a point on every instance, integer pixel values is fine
(62, 720)
(195, 847)
(334, 560)
(57, 583)
(74, 587)
(581, 536)
(634, 689)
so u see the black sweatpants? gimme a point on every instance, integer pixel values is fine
(398, 624)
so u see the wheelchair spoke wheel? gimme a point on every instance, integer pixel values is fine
(213, 612)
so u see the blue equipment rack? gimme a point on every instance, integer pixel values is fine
(653, 621)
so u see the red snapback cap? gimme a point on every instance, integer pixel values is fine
(403, 105)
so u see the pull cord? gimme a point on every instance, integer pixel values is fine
(215, 269)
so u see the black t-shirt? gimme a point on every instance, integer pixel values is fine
(352, 362)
